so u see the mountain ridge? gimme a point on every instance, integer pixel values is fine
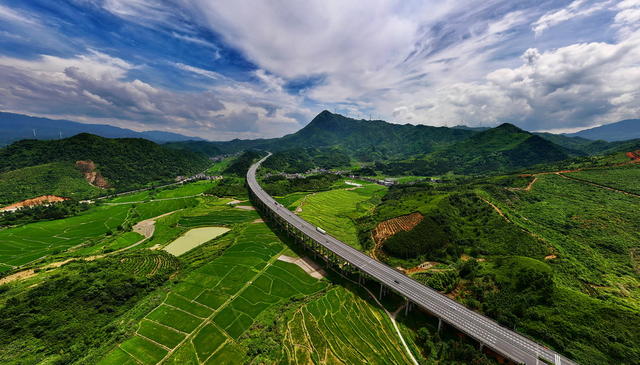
(618, 131)
(14, 127)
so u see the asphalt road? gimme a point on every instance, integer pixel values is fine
(486, 331)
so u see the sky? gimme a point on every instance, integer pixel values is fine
(229, 69)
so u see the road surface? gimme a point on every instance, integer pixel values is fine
(486, 331)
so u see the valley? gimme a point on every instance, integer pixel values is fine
(522, 238)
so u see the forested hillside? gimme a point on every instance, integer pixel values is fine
(124, 163)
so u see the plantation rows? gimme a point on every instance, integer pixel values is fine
(149, 263)
(392, 226)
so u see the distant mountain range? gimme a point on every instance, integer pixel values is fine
(619, 131)
(14, 127)
(369, 140)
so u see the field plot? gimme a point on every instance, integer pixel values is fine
(23, 244)
(194, 238)
(26, 243)
(148, 263)
(217, 302)
(625, 178)
(335, 210)
(221, 216)
(342, 328)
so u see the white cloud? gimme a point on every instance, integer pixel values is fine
(15, 16)
(574, 86)
(94, 87)
(577, 9)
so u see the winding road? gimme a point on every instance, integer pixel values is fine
(486, 331)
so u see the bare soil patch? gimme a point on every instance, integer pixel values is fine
(305, 264)
(41, 200)
(245, 207)
(20, 275)
(93, 177)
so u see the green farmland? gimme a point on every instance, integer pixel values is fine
(24, 244)
(213, 314)
(335, 210)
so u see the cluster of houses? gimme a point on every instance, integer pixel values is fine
(384, 182)
(196, 177)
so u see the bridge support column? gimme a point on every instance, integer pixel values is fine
(481, 347)
(439, 324)
(381, 289)
(407, 307)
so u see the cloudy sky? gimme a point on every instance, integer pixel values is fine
(234, 68)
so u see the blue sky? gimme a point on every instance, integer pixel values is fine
(247, 69)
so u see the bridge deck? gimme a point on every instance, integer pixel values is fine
(486, 331)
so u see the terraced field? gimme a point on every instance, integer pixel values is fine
(341, 328)
(335, 210)
(218, 302)
(24, 244)
(149, 263)
(392, 226)
(230, 216)
(206, 317)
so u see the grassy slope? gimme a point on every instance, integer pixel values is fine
(592, 231)
(57, 178)
(623, 178)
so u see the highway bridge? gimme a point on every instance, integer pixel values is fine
(487, 332)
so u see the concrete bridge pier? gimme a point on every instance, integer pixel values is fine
(439, 324)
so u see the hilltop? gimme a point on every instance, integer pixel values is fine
(502, 148)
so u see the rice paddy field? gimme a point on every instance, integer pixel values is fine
(341, 328)
(210, 314)
(194, 238)
(94, 229)
(335, 210)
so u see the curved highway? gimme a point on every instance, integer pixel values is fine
(486, 331)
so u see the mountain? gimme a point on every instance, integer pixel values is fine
(619, 131)
(117, 163)
(14, 127)
(364, 139)
(500, 149)
(371, 138)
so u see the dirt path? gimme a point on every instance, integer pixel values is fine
(154, 200)
(496, 208)
(599, 185)
(392, 318)
(634, 156)
(145, 228)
